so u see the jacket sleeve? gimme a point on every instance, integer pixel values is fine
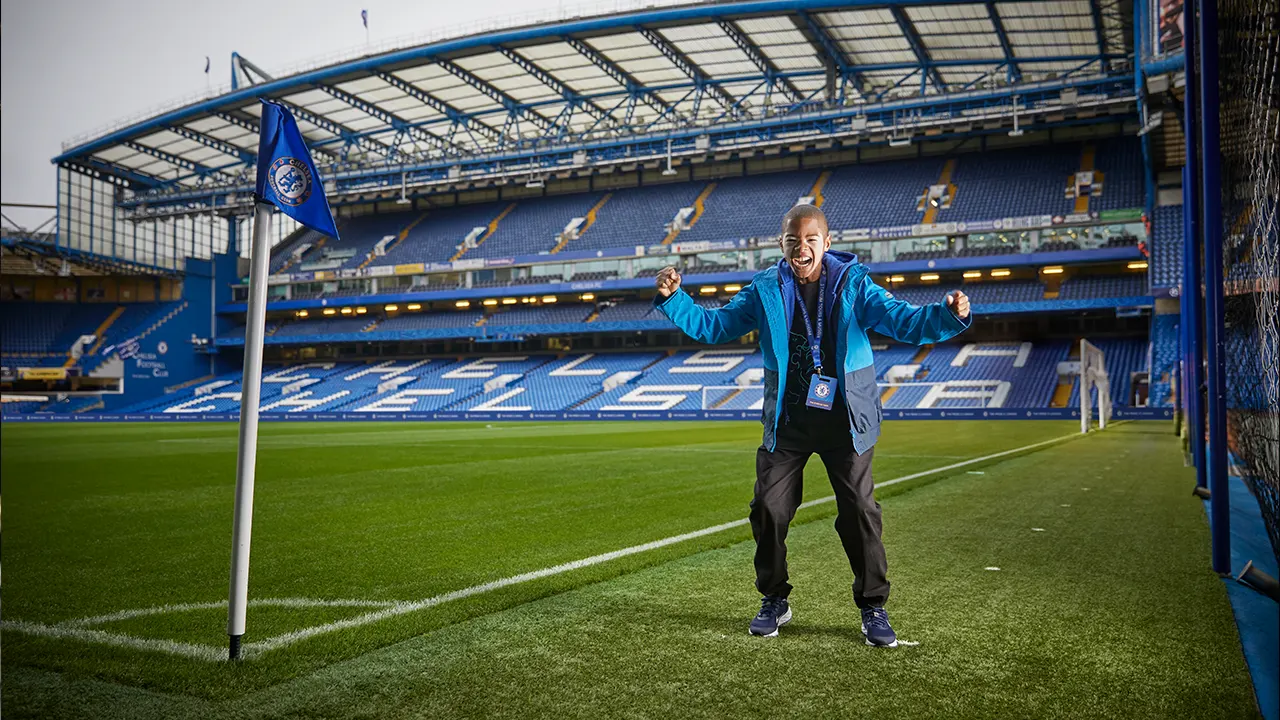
(721, 325)
(879, 310)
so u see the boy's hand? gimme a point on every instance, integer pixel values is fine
(958, 303)
(668, 281)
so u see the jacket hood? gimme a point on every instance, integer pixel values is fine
(836, 263)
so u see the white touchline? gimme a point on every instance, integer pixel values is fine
(76, 629)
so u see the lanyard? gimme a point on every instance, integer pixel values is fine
(815, 338)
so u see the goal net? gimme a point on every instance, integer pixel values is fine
(732, 397)
(1249, 89)
(1095, 387)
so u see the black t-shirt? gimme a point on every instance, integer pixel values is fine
(803, 427)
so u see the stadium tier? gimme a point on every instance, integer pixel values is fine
(1166, 247)
(982, 187)
(1164, 359)
(44, 333)
(954, 375)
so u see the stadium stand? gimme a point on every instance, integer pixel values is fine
(1103, 286)
(533, 226)
(637, 216)
(540, 315)
(644, 380)
(877, 194)
(1120, 162)
(988, 186)
(1166, 250)
(1010, 182)
(1164, 359)
(44, 328)
(752, 206)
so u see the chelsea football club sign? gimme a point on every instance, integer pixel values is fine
(291, 179)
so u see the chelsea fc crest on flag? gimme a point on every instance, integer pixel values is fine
(291, 180)
(287, 177)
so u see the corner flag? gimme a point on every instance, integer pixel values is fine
(286, 176)
(287, 179)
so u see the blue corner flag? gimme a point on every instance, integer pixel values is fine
(286, 176)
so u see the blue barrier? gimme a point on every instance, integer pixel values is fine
(930, 414)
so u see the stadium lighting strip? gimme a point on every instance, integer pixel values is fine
(80, 629)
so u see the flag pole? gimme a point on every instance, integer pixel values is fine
(251, 391)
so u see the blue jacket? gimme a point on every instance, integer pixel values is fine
(768, 304)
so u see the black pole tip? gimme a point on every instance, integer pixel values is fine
(1201, 492)
(234, 653)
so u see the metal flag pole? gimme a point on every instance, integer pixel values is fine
(251, 392)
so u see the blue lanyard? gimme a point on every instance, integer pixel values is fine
(815, 338)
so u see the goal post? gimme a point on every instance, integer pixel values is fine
(1093, 376)
(732, 397)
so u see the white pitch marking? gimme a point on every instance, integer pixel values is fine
(1037, 529)
(1064, 505)
(991, 568)
(909, 643)
(198, 652)
(187, 607)
(401, 608)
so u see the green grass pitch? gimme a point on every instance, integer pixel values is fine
(1103, 604)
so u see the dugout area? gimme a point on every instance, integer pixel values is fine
(1102, 606)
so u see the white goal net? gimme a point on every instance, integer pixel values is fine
(1095, 387)
(732, 397)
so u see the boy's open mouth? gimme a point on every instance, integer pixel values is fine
(802, 262)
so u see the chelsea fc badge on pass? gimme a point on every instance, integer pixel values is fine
(821, 392)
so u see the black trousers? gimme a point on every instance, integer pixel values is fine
(779, 481)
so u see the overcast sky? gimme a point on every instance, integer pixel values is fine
(71, 66)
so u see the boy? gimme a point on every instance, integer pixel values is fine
(813, 310)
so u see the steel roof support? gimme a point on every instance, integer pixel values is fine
(686, 66)
(399, 124)
(457, 116)
(349, 136)
(824, 44)
(222, 146)
(252, 126)
(1096, 11)
(917, 46)
(759, 59)
(572, 98)
(494, 93)
(1011, 64)
(89, 165)
(170, 158)
(620, 76)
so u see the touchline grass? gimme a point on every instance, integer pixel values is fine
(1108, 610)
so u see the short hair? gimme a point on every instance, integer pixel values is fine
(804, 211)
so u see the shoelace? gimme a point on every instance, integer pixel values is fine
(875, 618)
(770, 606)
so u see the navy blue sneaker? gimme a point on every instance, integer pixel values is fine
(774, 612)
(876, 629)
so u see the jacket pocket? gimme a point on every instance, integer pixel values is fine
(863, 398)
(769, 410)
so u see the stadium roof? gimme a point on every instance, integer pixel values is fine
(649, 72)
